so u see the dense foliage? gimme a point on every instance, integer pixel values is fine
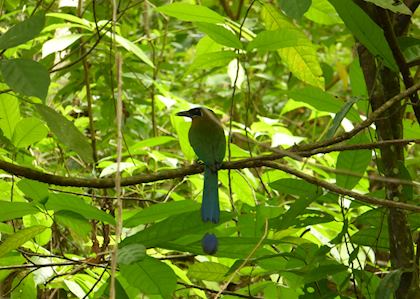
(320, 187)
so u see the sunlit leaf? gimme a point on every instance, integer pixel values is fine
(72, 203)
(12, 210)
(192, 13)
(19, 238)
(28, 131)
(59, 44)
(9, 114)
(220, 35)
(208, 271)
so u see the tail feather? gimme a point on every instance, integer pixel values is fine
(210, 210)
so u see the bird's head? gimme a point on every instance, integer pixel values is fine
(192, 113)
(200, 115)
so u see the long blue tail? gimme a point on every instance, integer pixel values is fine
(210, 210)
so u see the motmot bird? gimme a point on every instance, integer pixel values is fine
(207, 139)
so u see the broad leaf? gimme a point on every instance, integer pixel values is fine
(300, 57)
(133, 48)
(151, 277)
(296, 187)
(389, 284)
(160, 211)
(192, 13)
(322, 101)
(322, 12)
(23, 31)
(9, 114)
(12, 210)
(33, 189)
(26, 76)
(353, 164)
(221, 35)
(208, 271)
(173, 228)
(66, 132)
(28, 131)
(211, 60)
(278, 39)
(72, 203)
(59, 44)
(365, 30)
(295, 9)
(19, 238)
(131, 253)
(395, 6)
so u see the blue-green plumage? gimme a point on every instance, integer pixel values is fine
(207, 138)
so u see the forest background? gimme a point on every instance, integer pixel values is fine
(319, 190)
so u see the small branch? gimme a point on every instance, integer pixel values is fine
(335, 189)
(361, 126)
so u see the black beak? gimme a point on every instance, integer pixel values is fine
(184, 113)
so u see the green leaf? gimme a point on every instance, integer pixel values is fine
(24, 287)
(221, 35)
(300, 57)
(208, 271)
(353, 162)
(295, 9)
(372, 236)
(72, 203)
(365, 30)
(151, 142)
(395, 6)
(273, 40)
(231, 247)
(296, 187)
(191, 13)
(151, 277)
(75, 222)
(322, 12)
(291, 216)
(28, 131)
(12, 210)
(23, 31)
(66, 132)
(172, 228)
(160, 211)
(211, 60)
(321, 101)
(242, 188)
(19, 238)
(59, 44)
(133, 48)
(131, 253)
(26, 76)
(33, 189)
(72, 18)
(357, 80)
(9, 114)
(389, 284)
(404, 174)
(338, 118)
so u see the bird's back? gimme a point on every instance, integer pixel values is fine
(207, 138)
